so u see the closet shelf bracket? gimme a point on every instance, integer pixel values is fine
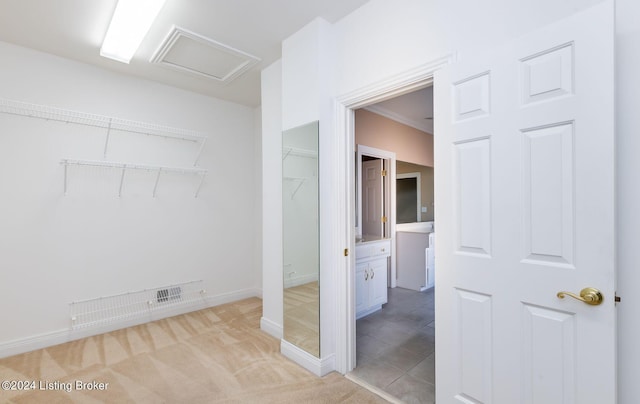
(299, 180)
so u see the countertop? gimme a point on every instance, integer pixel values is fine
(370, 239)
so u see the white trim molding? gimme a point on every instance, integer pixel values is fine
(344, 163)
(389, 197)
(421, 126)
(418, 178)
(317, 366)
(245, 63)
(271, 327)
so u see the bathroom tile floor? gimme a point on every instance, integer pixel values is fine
(395, 347)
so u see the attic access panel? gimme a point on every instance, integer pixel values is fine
(193, 53)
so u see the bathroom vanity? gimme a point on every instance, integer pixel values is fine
(372, 260)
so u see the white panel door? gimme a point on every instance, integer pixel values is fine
(372, 198)
(525, 209)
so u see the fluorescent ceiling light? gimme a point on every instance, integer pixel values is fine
(129, 25)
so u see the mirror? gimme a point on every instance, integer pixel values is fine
(301, 255)
(414, 193)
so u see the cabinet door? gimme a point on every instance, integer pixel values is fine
(378, 282)
(430, 267)
(362, 287)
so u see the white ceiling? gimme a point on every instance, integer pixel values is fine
(74, 29)
(413, 109)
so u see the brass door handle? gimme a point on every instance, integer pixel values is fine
(590, 296)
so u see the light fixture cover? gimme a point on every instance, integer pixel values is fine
(130, 23)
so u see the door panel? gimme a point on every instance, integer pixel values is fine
(372, 198)
(549, 341)
(378, 281)
(473, 196)
(549, 211)
(475, 355)
(362, 287)
(525, 210)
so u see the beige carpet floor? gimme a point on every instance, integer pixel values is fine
(216, 355)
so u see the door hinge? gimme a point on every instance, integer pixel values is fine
(617, 298)
(384, 173)
(384, 219)
(346, 252)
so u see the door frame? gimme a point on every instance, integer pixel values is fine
(345, 232)
(389, 194)
(418, 178)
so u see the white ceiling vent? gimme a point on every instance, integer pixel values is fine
(190, 52)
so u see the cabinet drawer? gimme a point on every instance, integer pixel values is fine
(371, 249)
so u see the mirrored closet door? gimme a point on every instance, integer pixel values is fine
(301, 260)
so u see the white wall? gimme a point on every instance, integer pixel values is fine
(306, 97)
(257, 203)
(55, 249)
(383, 39)
(301, 64)
(272, 301)
(628, 196)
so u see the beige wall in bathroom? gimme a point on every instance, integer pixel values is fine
(413, 148)
(409, 144)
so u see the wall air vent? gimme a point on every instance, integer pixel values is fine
(165, 295)
(187, 51)
(149, 304)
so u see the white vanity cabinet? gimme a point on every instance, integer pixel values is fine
(371, 276)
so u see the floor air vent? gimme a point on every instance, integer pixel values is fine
(139, 304)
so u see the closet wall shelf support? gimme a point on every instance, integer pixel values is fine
(49, 113)
(129, 166)
(106, 141)
(299, 180)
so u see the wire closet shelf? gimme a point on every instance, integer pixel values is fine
(132, 305)
(108, 123)
(129, 166)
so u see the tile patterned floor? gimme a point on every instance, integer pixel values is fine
(396, 347)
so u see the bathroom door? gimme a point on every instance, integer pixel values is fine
(525, 197)
(372, 198)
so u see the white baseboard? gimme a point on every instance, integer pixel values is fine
(32, 343)
(230, 297)
(300, 280)
(270, 327)
(317, 366)
(46, 340)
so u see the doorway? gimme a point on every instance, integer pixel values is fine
(344, 137)
(395, 344)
